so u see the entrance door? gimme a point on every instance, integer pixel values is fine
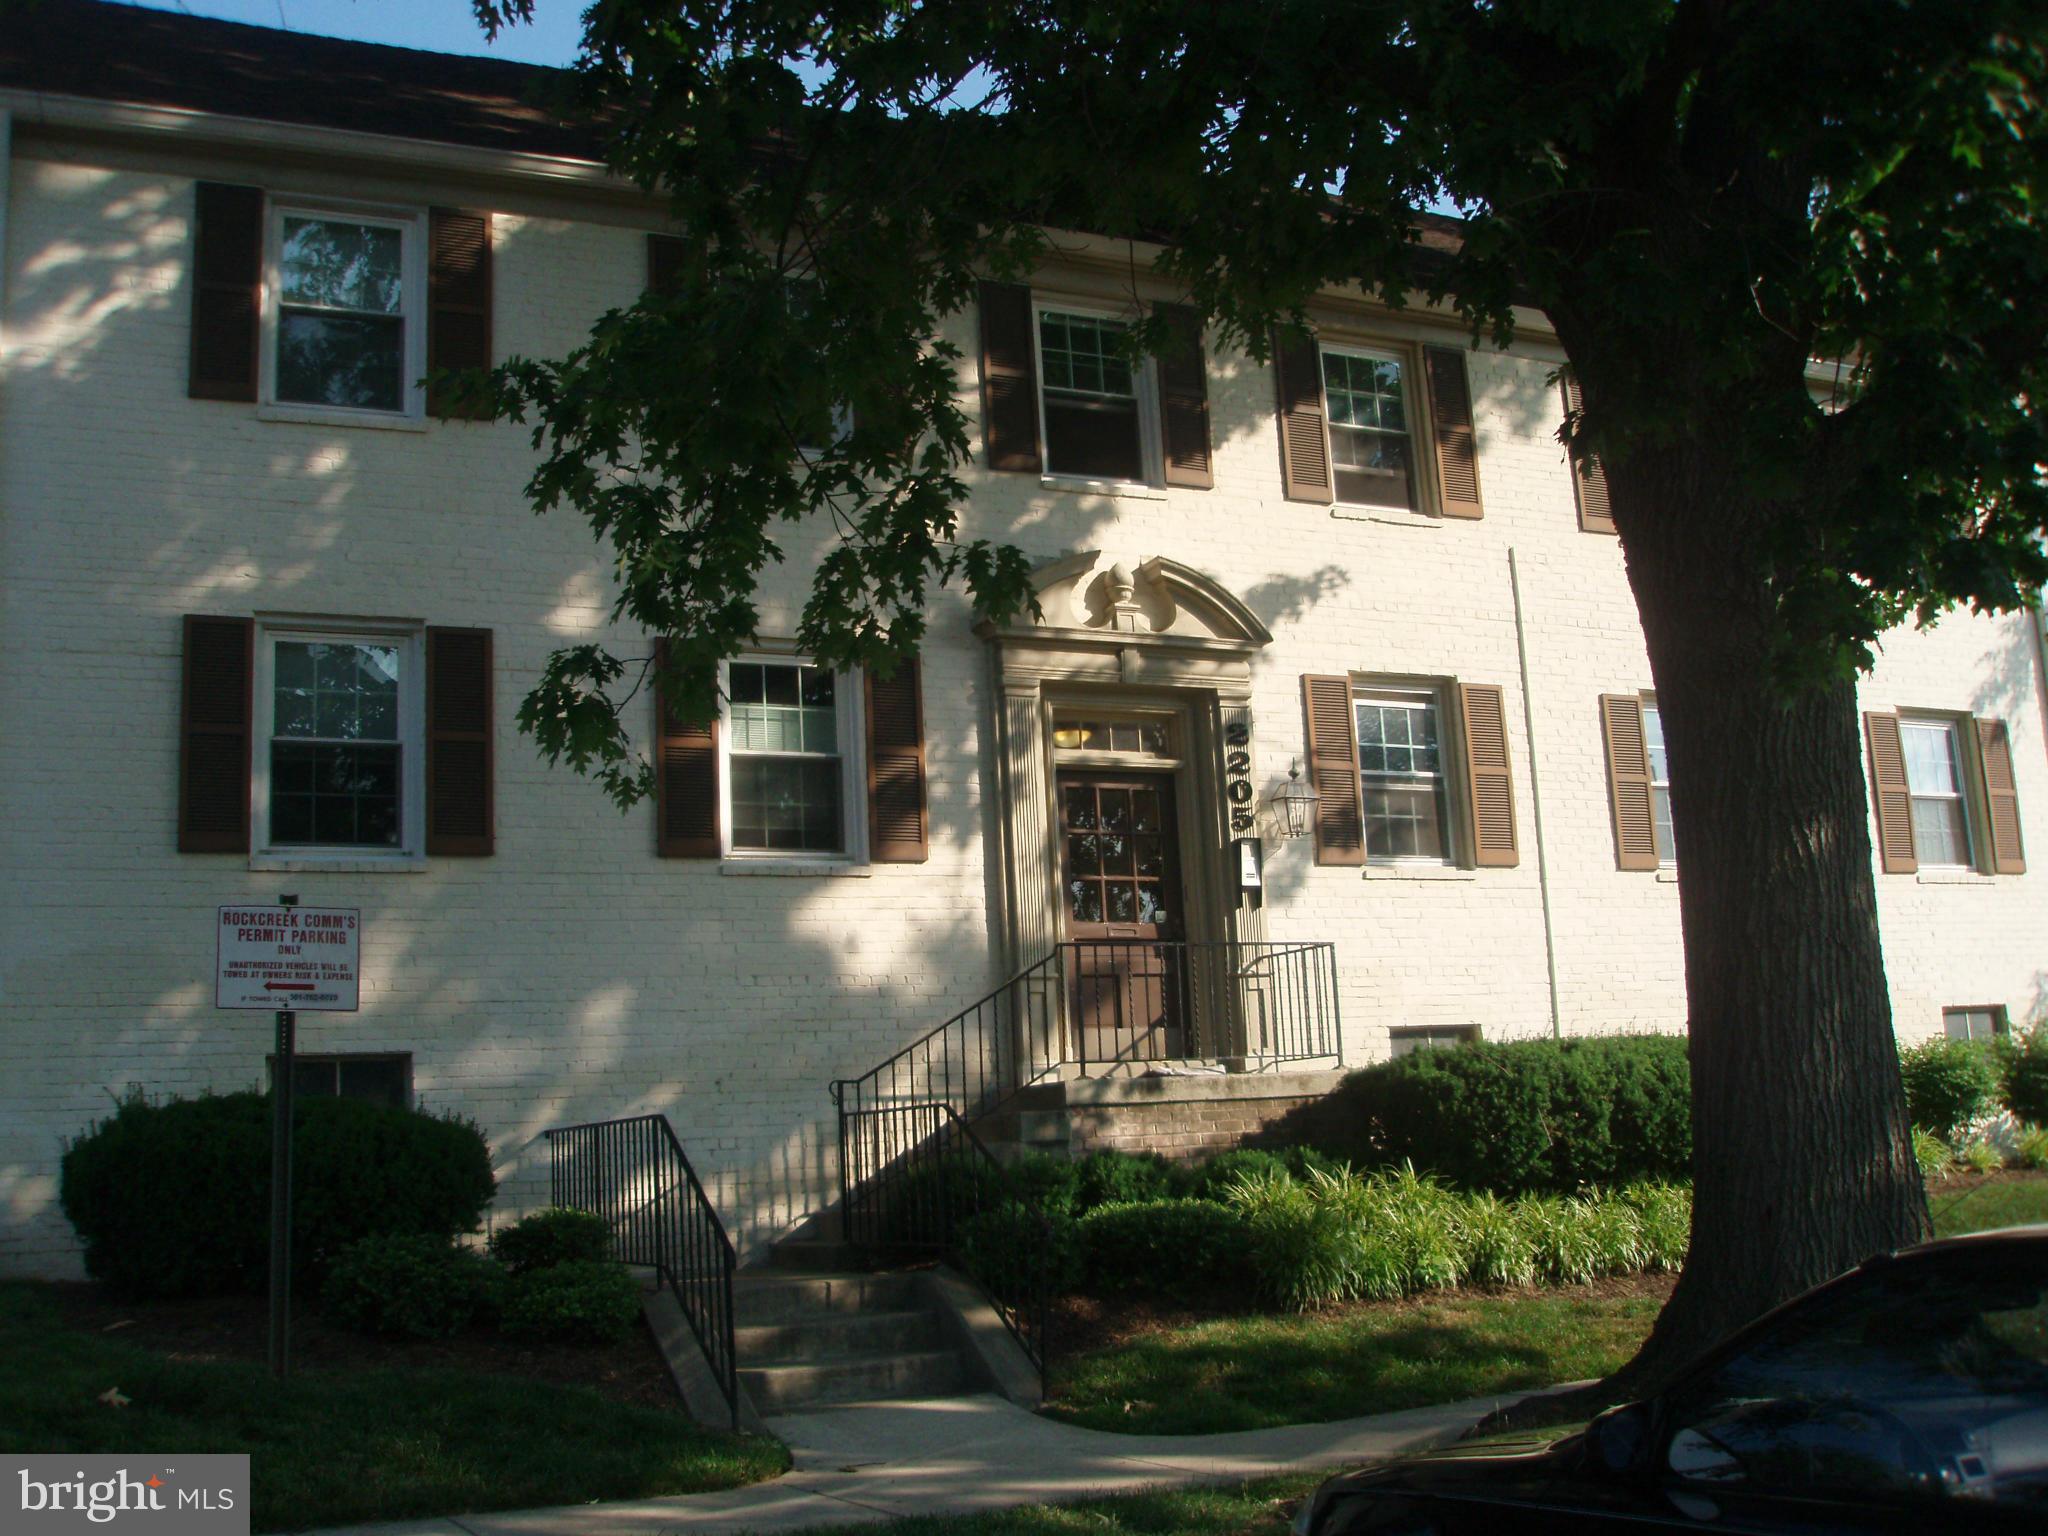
(1121, 881)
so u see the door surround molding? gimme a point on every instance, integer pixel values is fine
(1161, 634)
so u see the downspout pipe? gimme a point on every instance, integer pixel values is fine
(1536, 795)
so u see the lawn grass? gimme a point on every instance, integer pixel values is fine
(1255, 1372)
(1260, 1508)
(331, 1448)
(1978, 1205)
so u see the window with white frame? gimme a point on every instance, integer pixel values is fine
(339, 767)
(1401, 767)
(384, 1078)
(1935, 781)
(1986, 1023)
(1367, 405)
(1405, 1040)
(1660, 784)
(1092, 398)
(345, 312)
(791, 750)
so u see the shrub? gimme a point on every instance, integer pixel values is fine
(2030, 1148)
(1530, 1115)
(549, 1237)
(2025, 1087)
(585, 1301)
(173, 1198)
(1666, 1212)
(1949, 1084)
(1932, 1154)
(1125, 1178)
(1209, 1181)
(1981, 1157)
(1016, 1252)
(418, 1286)
(1049, 1183)
(1167, 1248)
(955, 1186)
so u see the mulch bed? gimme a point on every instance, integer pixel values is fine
(1084, 1323)
(238, 1328)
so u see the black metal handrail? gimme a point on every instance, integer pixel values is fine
(1138, 1000)
(635, 1174)
(920, 1176)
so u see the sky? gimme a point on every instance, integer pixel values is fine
(442, 26)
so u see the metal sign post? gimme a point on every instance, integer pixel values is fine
(281, 1084)
(308, 959)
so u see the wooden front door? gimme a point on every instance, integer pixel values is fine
(1120, 872)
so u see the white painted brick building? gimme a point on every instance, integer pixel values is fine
(573, 973)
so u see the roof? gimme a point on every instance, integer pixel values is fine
(120, 53)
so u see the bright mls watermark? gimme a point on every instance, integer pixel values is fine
(173, 1495)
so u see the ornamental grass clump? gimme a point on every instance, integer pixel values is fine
(1666, 1212)
(1420, 1220)
(1498, 1250)
(1565, 1237)
(1931, 1153)
(2030, 1149)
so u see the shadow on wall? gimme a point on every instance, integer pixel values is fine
(2012, 685)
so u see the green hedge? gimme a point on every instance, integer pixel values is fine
(2025, 1089)
(583, 1301)
(173, 1198)
(1175, 1249)
(1528, 1115)
(1949, 1084)
(415, 1286)
(550, 1236)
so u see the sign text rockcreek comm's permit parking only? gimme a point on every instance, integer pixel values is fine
(302, 958)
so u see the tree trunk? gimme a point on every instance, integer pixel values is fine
(1802, 1157)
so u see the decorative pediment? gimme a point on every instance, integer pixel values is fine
(1158, 600)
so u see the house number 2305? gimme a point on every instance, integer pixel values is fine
(1237, 774)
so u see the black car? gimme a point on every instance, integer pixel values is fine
(1910, 1394)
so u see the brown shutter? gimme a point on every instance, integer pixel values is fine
(1893, 797)
(1589, 480)
(1457, 442)
(896, 776)
(1304, 444)
(685, 783)
(1333, 770)
(664, 263)
(1009, 378)
(459, 746)
(213, 735)
(227, 291)
(1184, 401)
(1488, 777)
(1994, 751)
(1628, 781)
(458, 297)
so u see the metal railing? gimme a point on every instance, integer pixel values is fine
(635, 1174)
(912, 1170)
(919, 1177)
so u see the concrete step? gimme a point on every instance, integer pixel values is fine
(767, 1296)
(817, 1255)
(918, 1373)
(837, 1335)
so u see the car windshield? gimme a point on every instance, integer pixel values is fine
(1928, 1377)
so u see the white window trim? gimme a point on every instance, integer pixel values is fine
(1449, 767)
(1968, 784)
(1648, 702)
(1144, 384)
(412, 738)
(411, 223)
(1421, 430)
(853, 787)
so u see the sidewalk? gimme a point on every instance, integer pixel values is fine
(864, 1462)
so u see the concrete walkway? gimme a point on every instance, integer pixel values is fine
(863, 1462)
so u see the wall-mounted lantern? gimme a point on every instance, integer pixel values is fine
(1294, 803)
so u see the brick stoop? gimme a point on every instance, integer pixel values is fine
(1182, 1116)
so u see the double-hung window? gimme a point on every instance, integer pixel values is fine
(1092, 398)
(339, 767)
(1660, 784)
(344, 314)
(1401, 766)
(1935, 780)
(1366, 398)
(792, 752)
(1985, 1023)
